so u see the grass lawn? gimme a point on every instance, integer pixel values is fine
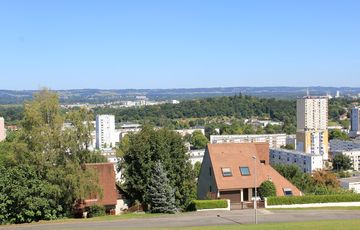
(319, 225)
(104, 218)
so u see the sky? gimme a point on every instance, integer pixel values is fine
(117, 44)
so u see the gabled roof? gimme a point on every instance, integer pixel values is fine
(234, 156)
(106, 176)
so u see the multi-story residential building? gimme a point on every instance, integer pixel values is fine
(126, 128)
(196, 155)
(274, 140)
(355, 122)
(340, 145)
(306, 162)
(353, 154)
(312, 125)
(2, 129)
(105, 131)
(184, 132)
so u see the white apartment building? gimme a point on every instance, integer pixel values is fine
(105, 131)
(355, 122)
(312, 125)
(274, 140)
(184, 132)
(2, 129)
(306, 162)
(196, 156)
(354, 155)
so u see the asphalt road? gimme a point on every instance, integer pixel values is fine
(200, 219)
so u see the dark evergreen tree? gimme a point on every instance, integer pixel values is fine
(161, 195)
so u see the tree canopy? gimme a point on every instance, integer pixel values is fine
(41, 167)
(167, 147)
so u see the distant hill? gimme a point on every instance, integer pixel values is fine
(100, 95)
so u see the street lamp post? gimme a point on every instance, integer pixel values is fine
(255, 199)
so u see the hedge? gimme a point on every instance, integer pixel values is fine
(206, 204)
(288, 200)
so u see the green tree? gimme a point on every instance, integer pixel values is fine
(342, 162)
(198, 140)
(338, 134)
(161, 195)
(145, 149)
(197, 168)
(46, 158)
(25, 196)
(267, 189)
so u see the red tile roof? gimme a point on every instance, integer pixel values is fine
(106, 175)
(235, 156)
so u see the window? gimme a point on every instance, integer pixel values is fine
(288, 192)
(245, 171)
(226, 172)
(210, 171)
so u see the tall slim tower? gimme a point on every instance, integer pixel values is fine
(312, 125)
(2, 129)
(105, 131)
(355, 122)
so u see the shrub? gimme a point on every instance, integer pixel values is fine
(267, 189)
(95, 211)
(288, 200)
(206, 204)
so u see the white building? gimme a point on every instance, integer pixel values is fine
(2, 129)
(352, 183)
(306, 162)
(354, 155)
(312, 125)
(184, 132)
(126, 128)
(274, 140)
(105, 131)
(355, 122)
(196, 156)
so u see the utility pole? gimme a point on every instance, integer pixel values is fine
(255, 199)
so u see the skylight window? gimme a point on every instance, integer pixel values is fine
(226, 172)
(245, 171)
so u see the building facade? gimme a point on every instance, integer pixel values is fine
(312, 125)
(340, 145)
(352, 184)
(353, 154)
(355, 122)
(229, 171)
(105, 131)
(306, 162)
(274, 140)
(2, 129)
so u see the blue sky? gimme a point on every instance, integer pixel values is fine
(67, 44)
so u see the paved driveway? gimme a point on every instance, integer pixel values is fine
(201, 219)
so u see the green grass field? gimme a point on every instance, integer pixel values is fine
(319, 225)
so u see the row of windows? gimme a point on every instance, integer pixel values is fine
(245, 171)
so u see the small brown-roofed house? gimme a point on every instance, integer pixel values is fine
(109, 196)
(228, 172)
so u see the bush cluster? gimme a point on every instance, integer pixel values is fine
(288, 200)
(206, 204)
(95, 211)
